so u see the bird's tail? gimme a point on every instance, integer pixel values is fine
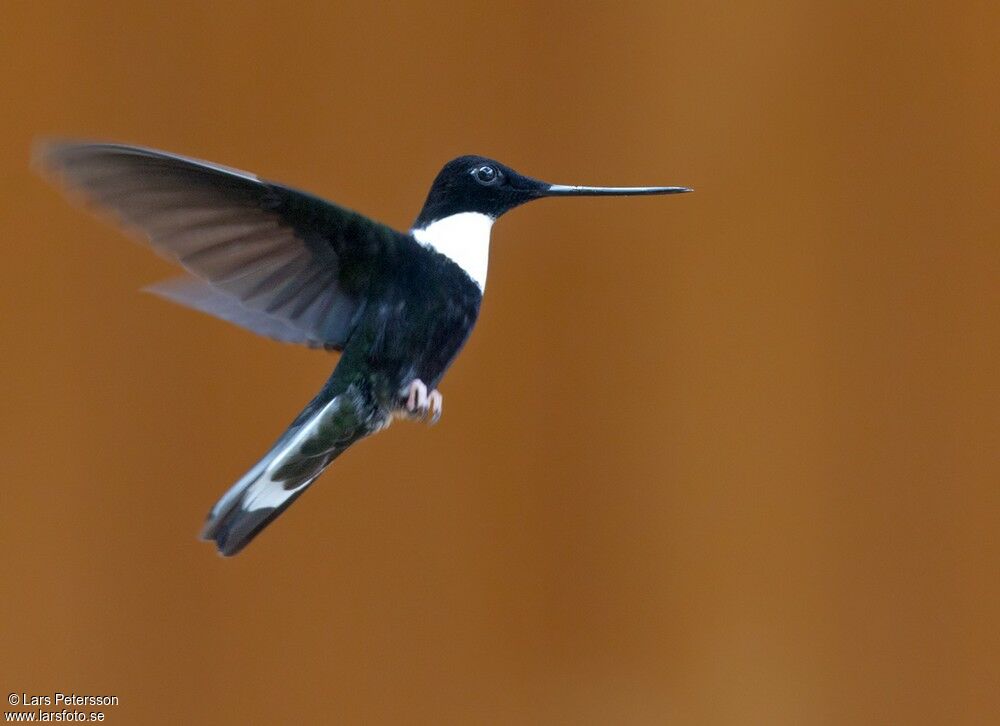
(338, 417)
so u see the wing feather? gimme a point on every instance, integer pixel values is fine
(203, 297)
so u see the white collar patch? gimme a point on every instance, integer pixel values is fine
(463, 238)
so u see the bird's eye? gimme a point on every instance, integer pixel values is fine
(485, 174)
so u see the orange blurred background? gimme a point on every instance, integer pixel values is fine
(726, 458)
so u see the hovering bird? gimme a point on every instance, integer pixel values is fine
(293, 267)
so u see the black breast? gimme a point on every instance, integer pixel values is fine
(420, 312)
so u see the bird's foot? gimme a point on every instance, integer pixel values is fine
(421, 404)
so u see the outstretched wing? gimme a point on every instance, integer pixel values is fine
(282, 255)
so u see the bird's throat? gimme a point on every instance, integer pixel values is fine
(463, 238)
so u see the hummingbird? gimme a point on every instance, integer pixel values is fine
(288, 265)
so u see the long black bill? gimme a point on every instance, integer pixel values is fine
(563, 190)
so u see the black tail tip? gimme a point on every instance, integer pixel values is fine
(237, 528)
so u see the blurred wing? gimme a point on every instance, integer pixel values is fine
(283, 256)
(204, 297)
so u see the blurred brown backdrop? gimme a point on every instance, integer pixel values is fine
(727, 458)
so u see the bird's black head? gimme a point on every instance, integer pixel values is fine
(478, 184)
(475, 184)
